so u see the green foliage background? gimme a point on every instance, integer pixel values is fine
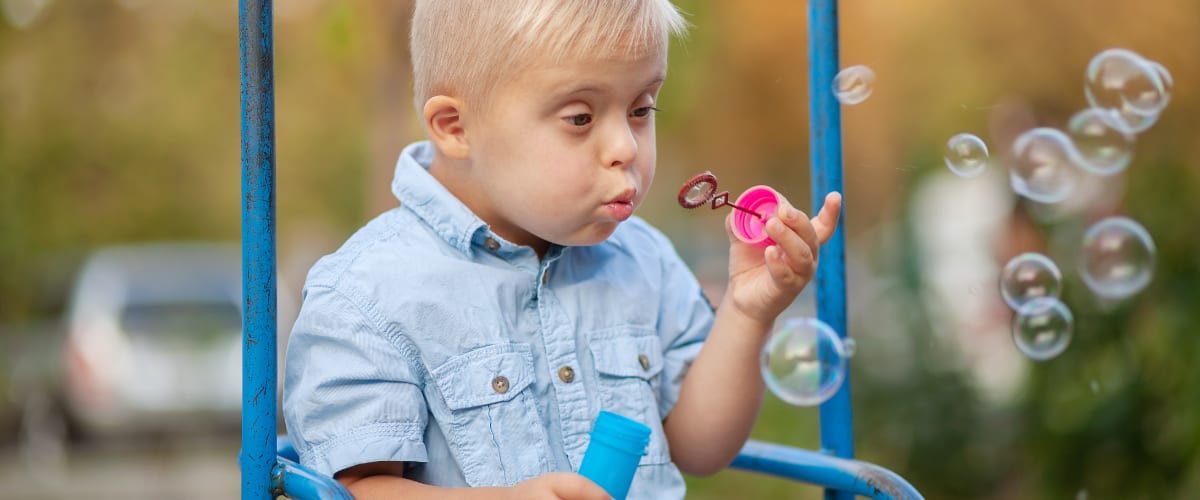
(119, 122)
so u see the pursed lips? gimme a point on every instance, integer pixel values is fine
(625, 197)
(621, 207)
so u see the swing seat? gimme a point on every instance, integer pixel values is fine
(819, 469)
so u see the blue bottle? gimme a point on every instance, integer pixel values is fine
(612, 456)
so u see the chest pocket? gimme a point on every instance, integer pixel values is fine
(493, 427)
(628, 369)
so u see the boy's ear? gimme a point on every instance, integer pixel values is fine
(444, 120)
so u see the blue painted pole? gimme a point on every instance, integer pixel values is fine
(298, 482)
(825, 143)
(845, 475)
(257, 458)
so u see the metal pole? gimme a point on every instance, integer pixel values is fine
(257, 458)
(825, 142)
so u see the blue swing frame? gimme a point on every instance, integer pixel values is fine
(269, 465)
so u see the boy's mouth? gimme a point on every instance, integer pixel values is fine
(621, 207)
(626, 197)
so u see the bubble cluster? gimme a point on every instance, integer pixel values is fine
(1126, 94)
(1117, 259)
(1043, 328)
(1028, 277)
(1127, 85)
(853, 84)
(966, 155)
(804, 362)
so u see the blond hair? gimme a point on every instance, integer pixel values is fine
(466, 47)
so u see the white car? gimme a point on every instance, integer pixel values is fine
(153, 340)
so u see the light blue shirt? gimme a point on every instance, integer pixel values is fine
(429, 339)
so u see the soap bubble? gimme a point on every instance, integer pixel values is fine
(1104, 147)
(1118, 258)
(854, 84)
(1041, 167)
(1120, 78)
(1043, 328)
(966, 155)
(804, 362)
(1027, 277)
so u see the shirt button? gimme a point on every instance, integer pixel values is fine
(491, 243)
(644, 361)
(500, 384)
(566, 374)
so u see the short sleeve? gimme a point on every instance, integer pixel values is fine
(684, 322)
(352, 395)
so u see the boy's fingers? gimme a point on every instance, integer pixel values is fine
(798, 251)
(825, 223)
(799, 223)
(778, 266)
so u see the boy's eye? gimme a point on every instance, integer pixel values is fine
(644, 111)
(579, 120)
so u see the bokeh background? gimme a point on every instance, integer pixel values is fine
(119, 125)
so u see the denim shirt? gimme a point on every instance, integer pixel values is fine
(428, 339)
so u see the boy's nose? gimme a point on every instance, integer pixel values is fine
(620, 147)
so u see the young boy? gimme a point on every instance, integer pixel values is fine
(470, 337)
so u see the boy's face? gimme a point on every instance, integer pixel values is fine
(566, 152)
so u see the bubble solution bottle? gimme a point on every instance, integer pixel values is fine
(612, 456)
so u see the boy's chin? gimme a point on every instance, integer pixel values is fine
(593, 236)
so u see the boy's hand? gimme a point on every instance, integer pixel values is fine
(558, 486)
(763, 282)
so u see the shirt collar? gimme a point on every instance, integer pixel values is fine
(432, 202)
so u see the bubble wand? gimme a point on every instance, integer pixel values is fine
(702, 189)
(749, 223)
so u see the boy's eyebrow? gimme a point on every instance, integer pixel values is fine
(586, 86)
(583, 88)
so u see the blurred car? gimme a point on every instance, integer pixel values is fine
(153, 340)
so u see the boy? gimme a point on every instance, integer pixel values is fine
(470, 337)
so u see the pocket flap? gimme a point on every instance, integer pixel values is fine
(628, 356)
(484, 376)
